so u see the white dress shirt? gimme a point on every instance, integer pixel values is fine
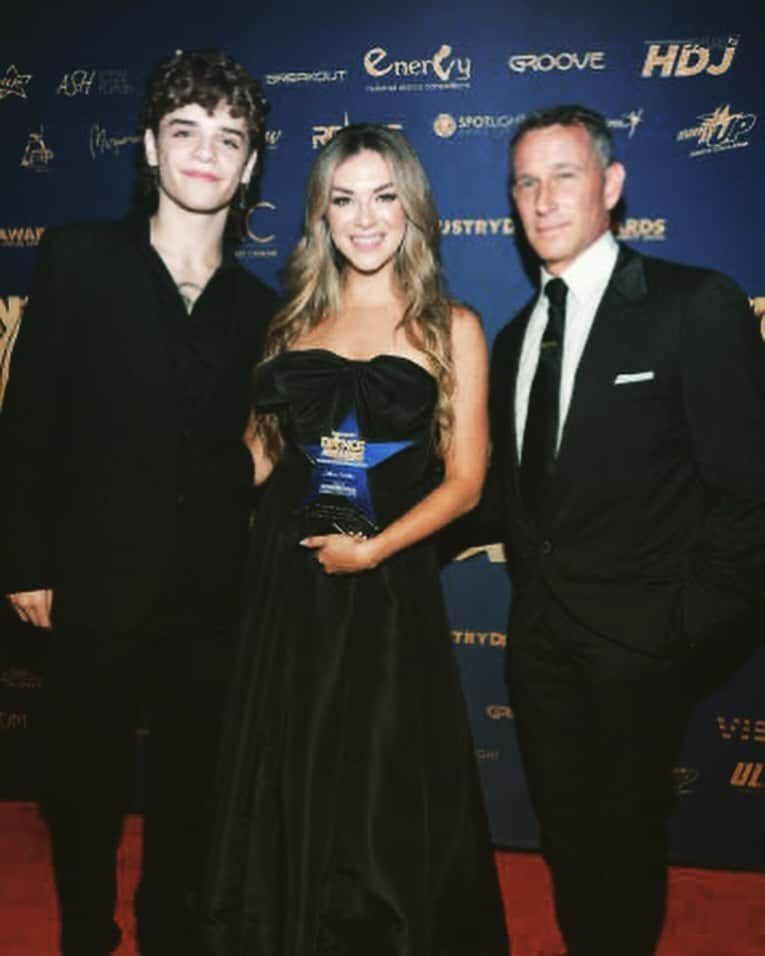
(586, 278)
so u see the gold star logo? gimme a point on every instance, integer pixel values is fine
(14, 83)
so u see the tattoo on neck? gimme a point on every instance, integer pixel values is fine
(189, 293)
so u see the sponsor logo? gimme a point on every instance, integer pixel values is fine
(479, 638)
(482, 754)
(260, 238)
(16, 237)
(252, 234)
(273, 138)
(560, 62)
(748, 776)
(689, 57)
(743, 729)
(13, 721)
(629, 121)
(36, 154)
(76, 83)
(648, 230)
(719, 131)
(440, 71)
(114, 83)
(303, 76)
(446, 126)
(684, 780)
(499, 226)
(323, 134)
(100, 142)
(16, 678)
(81, 82)
(14, 83)
(499, 712)
(495, 553)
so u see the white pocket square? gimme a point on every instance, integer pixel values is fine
(626, 378)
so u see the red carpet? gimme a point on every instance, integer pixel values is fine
(710, 913)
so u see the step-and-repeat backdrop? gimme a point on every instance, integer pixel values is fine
(682, 86)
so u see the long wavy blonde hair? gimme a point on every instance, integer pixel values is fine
(313, 274)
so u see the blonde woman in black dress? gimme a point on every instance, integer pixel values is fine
(351, 818)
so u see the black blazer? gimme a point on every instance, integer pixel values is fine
(105, 488)
(655, 530)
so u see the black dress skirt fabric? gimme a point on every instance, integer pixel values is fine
(349, 820)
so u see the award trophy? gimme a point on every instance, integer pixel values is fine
(338, 500)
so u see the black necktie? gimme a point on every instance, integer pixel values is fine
(540, 436)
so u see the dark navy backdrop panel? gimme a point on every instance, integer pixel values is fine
(682, 87)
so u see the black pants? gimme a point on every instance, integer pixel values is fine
(97, 687)
(598, 726)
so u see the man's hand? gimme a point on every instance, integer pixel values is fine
(758, 307)
(33, 607)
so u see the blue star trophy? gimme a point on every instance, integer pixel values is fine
(338, 500)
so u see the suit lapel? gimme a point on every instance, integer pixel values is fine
(148, 335)
(619, 305)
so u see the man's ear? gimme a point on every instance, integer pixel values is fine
(150, 147)
(248, 167)
(615, 176)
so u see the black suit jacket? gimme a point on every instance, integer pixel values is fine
(655, 530)
(106, 487)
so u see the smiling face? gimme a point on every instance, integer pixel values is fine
(562, 192)
(202, 158)
(365, 217)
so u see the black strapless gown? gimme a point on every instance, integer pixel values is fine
(350, 820)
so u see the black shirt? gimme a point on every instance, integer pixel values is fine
(198, 340)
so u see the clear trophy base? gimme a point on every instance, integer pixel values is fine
(333, 514)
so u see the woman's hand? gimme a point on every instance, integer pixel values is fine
(343, 553)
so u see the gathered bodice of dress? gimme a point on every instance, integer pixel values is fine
(313, 391)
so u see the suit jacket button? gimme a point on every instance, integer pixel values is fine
(546, 547)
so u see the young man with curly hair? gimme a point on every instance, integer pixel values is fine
(128, 490)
